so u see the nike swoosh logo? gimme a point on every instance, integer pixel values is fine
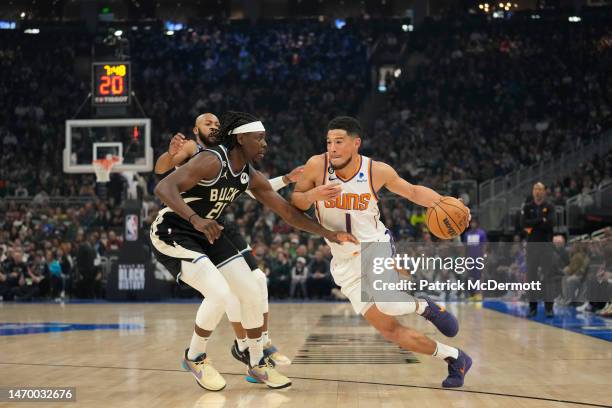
(198, 374)
(263, 377)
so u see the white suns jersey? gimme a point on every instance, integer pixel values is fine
(355, 210)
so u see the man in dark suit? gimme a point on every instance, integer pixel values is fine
(538, 219)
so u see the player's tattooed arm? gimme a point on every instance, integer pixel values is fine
(178, 152)
(205, 166)
(263, 192)
(384, 175)
(306, 191)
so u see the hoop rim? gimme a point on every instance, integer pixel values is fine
(103, 167)
(107, 163)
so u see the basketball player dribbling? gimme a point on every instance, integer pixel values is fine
(179, 152)
(192, 245)
(356, 180)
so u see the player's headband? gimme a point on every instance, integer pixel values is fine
(249, 127)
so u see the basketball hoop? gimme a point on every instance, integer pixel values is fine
(104, 166)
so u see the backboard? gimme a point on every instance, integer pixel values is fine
(90, 139)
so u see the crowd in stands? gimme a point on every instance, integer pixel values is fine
(591, 175)
(517, 95)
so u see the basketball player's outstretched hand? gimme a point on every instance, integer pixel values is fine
(295, 174)
(324, 192)
(176, 143)
(211, 228)
(340, 237)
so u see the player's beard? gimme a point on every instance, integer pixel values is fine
(211, 139)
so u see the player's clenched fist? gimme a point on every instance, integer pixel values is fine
(211, 228)
(324, 192)
(176, 143)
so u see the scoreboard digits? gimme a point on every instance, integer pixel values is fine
(111, 83)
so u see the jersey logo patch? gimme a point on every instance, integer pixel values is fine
(361, 178)
(244, 178)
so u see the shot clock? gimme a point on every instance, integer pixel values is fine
(110, 83)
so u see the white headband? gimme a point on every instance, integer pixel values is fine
(249, 127)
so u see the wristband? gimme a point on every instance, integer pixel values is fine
(189, 219)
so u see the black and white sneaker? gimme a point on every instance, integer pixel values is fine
(242, 356)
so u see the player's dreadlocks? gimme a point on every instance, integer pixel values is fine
(230, 120)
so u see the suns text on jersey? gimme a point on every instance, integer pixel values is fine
(350, 201)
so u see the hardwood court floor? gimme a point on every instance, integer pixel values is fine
(339, 361)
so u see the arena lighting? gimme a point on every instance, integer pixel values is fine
(535, 16)
(481, 6)
(23, 14)
(7, 25)
(404, 27)
(397, 73)
(134, 28)
(340, 23)
(172, 26)
(169, 32)
(118, 33)
(498, 14)
(574, 19)
(31, 31)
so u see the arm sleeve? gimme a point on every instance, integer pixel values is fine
(277, 183)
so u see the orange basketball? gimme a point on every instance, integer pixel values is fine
(447, 218)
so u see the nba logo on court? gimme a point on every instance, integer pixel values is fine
(131, 227)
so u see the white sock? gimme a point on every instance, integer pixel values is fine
(443, 351)
(197, 346)
(421, 305)
(255, 350)
(242, 344)
(265, 337)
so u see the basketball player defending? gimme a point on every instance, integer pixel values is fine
(189, 242)
(356, 180)
(180, 151)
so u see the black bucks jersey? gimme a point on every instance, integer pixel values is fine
(209, 198)
(175, 239)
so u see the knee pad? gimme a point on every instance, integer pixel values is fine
(232, 308)
(204, 277)
(396, 308)
(262, 281)
(243, 284)
(209, 314)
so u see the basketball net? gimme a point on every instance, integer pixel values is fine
(104, 166)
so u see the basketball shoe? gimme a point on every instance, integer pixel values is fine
(242, 356)
(205, 374)
(265, 373)
(276, 356)
(457, 370)
(443, 320)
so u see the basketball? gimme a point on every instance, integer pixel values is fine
(447, 218)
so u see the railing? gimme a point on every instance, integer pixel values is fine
(577, 206)
(551, 168)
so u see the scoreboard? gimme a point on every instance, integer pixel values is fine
(111, 83)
